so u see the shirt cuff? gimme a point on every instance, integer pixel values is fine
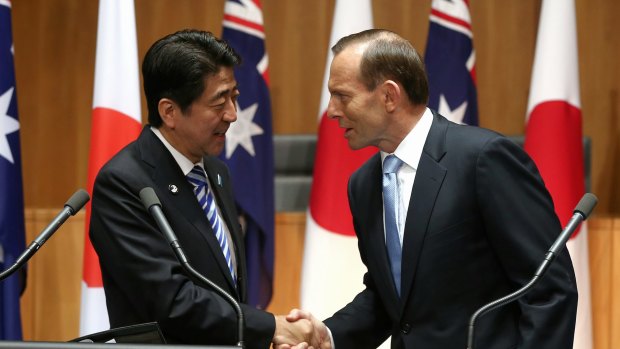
(331, 338)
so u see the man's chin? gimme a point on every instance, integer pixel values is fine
(355, 146)
(216, 150)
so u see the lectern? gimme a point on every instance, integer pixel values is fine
(141, 336)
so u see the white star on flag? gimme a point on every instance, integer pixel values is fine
(242, 130)
(7, 125)
(454, 115)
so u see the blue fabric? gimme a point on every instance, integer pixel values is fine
(446, 56)
(391, 198)
(12, 231)
(251, 163)
(206, 200)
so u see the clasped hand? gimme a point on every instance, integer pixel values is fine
(300, 330)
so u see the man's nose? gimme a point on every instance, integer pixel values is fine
(332, 109)
(230, 114)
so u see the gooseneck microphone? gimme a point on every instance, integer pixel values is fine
(73, 205)
(580, 214)
(153, 205)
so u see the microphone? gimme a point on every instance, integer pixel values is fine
(72, 206)
(580, 213)
(153, 205)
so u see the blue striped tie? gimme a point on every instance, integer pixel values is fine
(206, 200)
(391, 199)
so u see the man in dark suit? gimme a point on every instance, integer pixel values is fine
(191, 94)
(448, 217)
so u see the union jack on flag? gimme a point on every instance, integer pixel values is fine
(249, 145)
(450, 62)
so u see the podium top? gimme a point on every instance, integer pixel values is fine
(72, 345)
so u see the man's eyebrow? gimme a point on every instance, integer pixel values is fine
(223, 93)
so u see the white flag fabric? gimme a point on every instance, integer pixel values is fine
(554, 137)
(115, 123)
(332, 271)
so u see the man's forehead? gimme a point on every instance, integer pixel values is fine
(222, 74)
(221, 80)
(359, 48)
(350, 56)
(346, 62)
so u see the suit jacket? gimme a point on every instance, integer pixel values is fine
(479, 223)
(143, 280)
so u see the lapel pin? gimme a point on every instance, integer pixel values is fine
(173, 189)
(219, 180)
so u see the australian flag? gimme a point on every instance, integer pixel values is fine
(451, 61)
(249, 145)
(12, 232)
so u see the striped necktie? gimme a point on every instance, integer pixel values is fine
(206, 200)
(391, 198)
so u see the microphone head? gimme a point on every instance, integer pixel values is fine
(586, 205)
(77, 201)
(149, 198)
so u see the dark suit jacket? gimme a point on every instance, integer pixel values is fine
(478, 226)
(141, 276)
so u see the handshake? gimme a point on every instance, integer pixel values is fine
(300, 330)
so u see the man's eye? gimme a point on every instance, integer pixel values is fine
(341, 98)
(219, 105)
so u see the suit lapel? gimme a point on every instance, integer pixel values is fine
(428, 180)
(183, 203)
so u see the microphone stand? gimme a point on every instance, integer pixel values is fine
(499, 303)
(153, 205)
(72, 206)
(21, 260)
(208, 284)
(581, 212)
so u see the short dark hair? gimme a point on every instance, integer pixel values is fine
(389, 56)
(176, 65)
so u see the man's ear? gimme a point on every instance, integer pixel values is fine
(168, 111)
(391, 95)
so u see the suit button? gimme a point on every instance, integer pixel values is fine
(405, 328)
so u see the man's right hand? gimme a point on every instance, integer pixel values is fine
(318, 339)
(291, 333)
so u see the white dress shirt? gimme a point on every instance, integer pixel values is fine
(409, 151)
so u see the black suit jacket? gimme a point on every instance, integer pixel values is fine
(141, 276)
(479, 223)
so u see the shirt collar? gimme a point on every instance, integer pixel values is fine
(185, 164)
(411, 148)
